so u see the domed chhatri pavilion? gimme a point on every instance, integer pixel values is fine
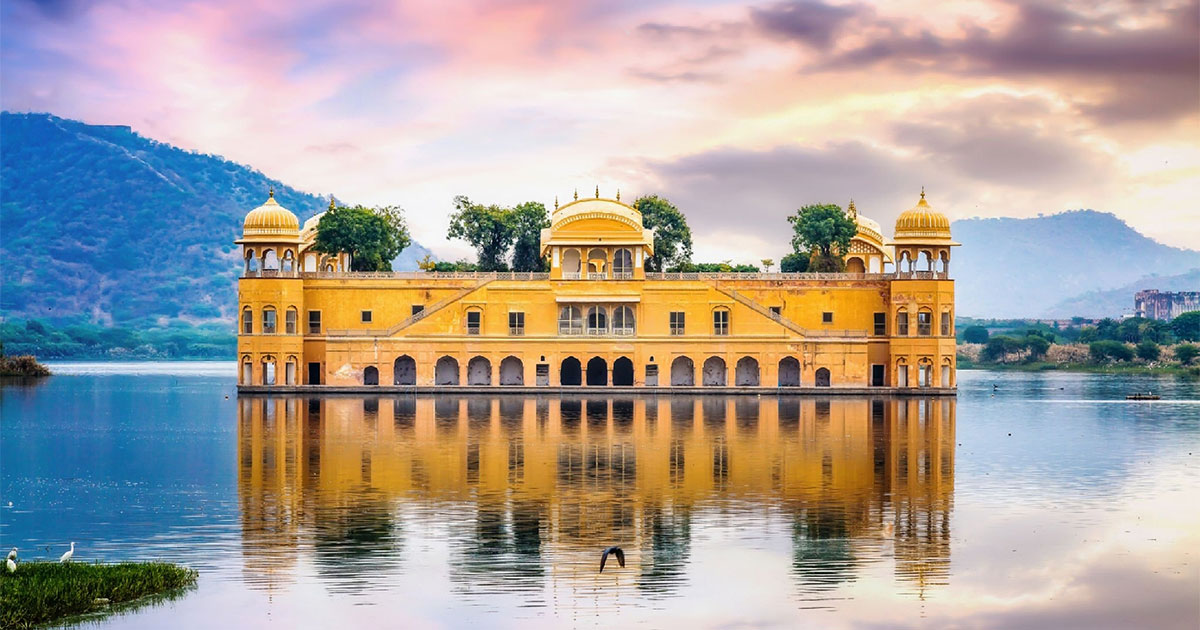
(598, 318)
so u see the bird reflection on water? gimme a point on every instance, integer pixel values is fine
(523, 492)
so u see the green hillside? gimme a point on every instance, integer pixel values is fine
(101, 223)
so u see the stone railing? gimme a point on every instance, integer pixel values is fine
(921, 275)
(525, 275)
(767, 276)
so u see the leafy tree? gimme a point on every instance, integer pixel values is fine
(767, 263)
(825, 231)
(721, 267)
(1148, 351)
(372, 237)
(672, 236)
(1109, 349)
(1000, 346)
(489, 229)
(975, 334)
(1037, 346)
(528, 219)
(794, 263)
(1187, 326)
(1186, 352)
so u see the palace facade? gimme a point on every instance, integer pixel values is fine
(598, 318)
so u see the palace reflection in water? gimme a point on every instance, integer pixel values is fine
(524, 492)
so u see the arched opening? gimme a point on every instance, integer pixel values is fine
(270, 261)
(683, 372)
(371, 375)
(946, 369)
(291, 320)
(289, 371)
(924, 322)
(571, 263)
(597, 320)
(714, 372)
(623, 372)
(571, 372)
(903, 263)
(512, 371)
(597, 372)
(854, 264)
(901, 323)
(944, 262)
(289, 261)
(268, 371)
(570, 321)
(247, 371)
(622, 266)
(720, 318)
(622, 321)
(924, 373)
(789, 372)
(924, 261)
(404, 371)
(822, 377)
(310, 262)
(947, 324)
(247, 321)
(268, 321)
(597, 261)
(445, 372)
(746, 372)
(251, 261)
(901, 373)
(479, 371)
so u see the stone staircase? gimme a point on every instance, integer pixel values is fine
(759, 308)
(429, 310)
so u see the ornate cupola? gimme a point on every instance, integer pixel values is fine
(270, 237)
(598, 239)
(922, 239)
(867, 250)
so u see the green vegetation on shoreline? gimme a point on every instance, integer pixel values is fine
(965, 363)
(43, 592)
(81, 340)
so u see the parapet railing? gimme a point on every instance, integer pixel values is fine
(524, 275)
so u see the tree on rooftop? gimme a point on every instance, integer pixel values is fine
(372, 236)
(489, 229)
(672, 236)
(528, 220)
(825, 231)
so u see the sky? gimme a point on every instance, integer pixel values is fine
(739, 113)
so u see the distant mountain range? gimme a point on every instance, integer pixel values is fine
(1074, 263)
(101, 223)
(97, 222)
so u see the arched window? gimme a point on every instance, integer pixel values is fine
(901, 372)
(446, 371)
(571, 264)
(854, 264)
(247, 321)
(746, 372)
(597, 320)
(247, 371)
(622, 266)
(289, 261)
(268, 373)
(512, 371)
(789, 372)
(924, 322)
(902, 323)
(570, 321)
(290, 320)
(270, 261)
(947, 368)
(597, 261)
(821, 378)
(947, 327)
(944, 262)
(924, 373)
(714, 372)
(251, 261)
(404, 371)
(289, 375)
(268, 323)
(371, 375)
(474, 321)
(479, 371)
(622, 321)
(683, 372)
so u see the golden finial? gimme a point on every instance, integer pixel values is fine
(576, 194)
(331, 202)
(922, 192)
(597, 191)
(618, 194)
(556, 202)
(853, 210)
(271, 193)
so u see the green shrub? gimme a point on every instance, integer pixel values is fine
(1148, 351)
(1104, 350)
(975, 334)
(1186, 352)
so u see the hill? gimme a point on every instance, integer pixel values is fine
(1027, 267)
(103, 225)
(1119, 301)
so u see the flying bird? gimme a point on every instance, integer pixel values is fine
(66, 557)
(616, 551)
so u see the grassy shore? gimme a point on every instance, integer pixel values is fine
(43, 592)
(1092, 368)
(24, 365)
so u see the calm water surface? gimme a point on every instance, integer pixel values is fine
(1047, 502)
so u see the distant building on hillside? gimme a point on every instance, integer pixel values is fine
(1155, 304)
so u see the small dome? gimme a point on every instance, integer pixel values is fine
(868, 228)
(922, 221)
(271, 219)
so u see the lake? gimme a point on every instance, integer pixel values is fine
(1030, 501)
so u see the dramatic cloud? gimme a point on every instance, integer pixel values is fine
(740, 112)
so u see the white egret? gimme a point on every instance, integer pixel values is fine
(66, 557)
(12, 555)
(12, 566)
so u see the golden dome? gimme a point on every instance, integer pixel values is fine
(271, 219)
(922, 222)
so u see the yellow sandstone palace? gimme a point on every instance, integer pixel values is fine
(598, 319)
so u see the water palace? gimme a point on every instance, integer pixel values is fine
(598, 318)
